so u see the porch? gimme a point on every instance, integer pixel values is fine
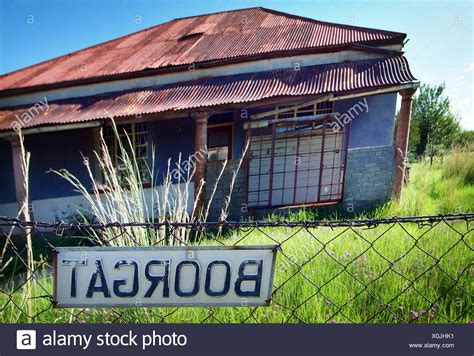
(299, 153)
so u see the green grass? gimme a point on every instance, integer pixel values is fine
(445, 187)
(338, 275)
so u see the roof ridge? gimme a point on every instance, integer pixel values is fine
(282, 13)
(220, 12)
(73, 59)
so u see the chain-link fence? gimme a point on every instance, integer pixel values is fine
(395, 270)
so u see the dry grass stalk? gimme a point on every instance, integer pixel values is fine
(127, 200)
(24, 212)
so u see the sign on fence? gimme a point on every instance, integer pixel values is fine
(163, 276)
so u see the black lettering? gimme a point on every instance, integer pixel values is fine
(74, 264)
(177, 282)
(155, 280)
(246, 277)
(103, 282)
(226, 281)
(121, 282)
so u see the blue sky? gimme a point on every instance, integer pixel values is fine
(440, 47)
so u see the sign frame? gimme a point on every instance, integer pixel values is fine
(185, 249)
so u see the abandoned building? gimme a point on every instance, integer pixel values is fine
(307, 108)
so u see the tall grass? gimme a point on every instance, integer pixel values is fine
(459, 165)
(329, 270)
(447, 186)
(137, 198)
(325, 257)
(29, 278)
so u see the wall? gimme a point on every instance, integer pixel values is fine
(170, 138)
(373, 127)
(65, 208)
(58, 150)
(61, 150)
(55, 198)
(370, 171)
(223, 189)
(370, 177)
(7, 180)
(369, 174)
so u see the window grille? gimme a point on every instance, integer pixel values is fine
(138, 136)
(297, 164)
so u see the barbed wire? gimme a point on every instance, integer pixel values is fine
(398, 269)
(424, 219)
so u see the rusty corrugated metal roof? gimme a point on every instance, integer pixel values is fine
(198, 39)
(208, 92)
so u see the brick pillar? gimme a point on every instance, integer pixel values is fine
(401, 142)
(200, 146)
(20, 179)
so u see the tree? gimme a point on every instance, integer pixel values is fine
(432, 119)
(465, 138)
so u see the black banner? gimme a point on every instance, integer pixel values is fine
(233, 339)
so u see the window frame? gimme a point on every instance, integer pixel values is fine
(318, 109)
(134, 140)
(227, 127)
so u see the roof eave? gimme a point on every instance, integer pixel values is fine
(369, 47)
(347, 94)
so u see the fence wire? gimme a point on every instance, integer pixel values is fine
(390, 270)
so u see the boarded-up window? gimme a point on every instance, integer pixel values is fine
(296, 164)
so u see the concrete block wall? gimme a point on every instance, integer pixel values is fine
(239, 193)
(370, 177)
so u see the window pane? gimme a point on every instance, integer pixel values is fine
(218, 138)
(287, 164)
(136, 135)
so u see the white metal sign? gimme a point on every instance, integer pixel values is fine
(163, 276)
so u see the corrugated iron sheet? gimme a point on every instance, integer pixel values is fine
(241, 88)
(196, 39)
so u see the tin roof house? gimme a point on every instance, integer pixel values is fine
(315, 101)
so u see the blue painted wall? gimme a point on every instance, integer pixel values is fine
(59, 150)
(7, 180)
(170, 138)
(372, 128)
(238, 139)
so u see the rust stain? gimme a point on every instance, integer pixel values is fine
(214, 91)
(225, 35)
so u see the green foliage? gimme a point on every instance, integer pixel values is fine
(460, 165)
(466, 138)
(447, 186)
(414, 140)
(433, 122)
